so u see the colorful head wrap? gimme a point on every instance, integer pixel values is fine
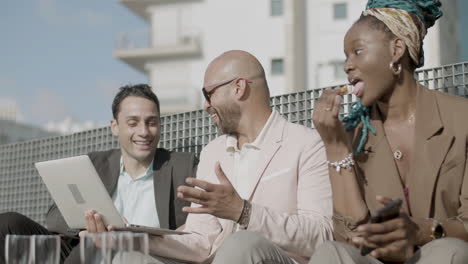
(395, 14)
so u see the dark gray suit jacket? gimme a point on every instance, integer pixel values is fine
(170, 170)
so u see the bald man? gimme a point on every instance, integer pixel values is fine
(262, 193)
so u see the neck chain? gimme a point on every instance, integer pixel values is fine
(398, 154)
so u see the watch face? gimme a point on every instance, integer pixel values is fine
(438, 231)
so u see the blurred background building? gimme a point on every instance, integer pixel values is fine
(12, 132)
(168, 43)
(299, 42)
(7, 110)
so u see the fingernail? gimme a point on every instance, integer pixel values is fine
(188, 180)
(355, 239)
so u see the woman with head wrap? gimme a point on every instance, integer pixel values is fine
(404, 141)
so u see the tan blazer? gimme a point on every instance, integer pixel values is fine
(437, 180)
(290, 195)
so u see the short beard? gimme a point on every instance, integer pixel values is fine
(229, 118)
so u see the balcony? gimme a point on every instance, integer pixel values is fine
(140, 7)
(136, 49)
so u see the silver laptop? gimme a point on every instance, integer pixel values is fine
(76, 187)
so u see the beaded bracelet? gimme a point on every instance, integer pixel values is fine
(346, 163)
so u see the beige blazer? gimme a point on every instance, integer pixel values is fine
(437, 180)
(290, 195)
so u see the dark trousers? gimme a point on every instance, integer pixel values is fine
(17, 224)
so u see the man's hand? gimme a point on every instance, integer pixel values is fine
(220, 200)
(393, 239)
(94, 224)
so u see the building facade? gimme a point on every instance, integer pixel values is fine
(8, 110)
(299, 42)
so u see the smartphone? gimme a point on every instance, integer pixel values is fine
(389, 211)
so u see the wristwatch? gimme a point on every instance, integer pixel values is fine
(437, 230)
(244, 218)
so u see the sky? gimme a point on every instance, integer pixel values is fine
(56, 58)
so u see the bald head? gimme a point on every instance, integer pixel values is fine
(237, 95)
(237, 63)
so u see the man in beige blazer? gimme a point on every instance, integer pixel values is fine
(262, 191)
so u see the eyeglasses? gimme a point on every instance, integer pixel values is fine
(213, 88)
(216, 86)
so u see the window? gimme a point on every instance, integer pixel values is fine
(277, 66)
(338, 70)
(340, 11)
(276, 7)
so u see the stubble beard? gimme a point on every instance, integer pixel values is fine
(229, 119)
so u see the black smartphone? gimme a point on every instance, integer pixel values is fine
(389, 211)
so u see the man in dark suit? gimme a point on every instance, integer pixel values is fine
(141, 178)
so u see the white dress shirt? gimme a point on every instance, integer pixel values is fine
(245, 160)
(134, 198)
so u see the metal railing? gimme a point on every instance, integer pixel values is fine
(141, 40)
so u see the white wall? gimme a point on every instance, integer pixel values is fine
(441, 45)
(325, 39)
(221, 26)
(224, 25)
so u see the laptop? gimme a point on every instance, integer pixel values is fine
(76, 187)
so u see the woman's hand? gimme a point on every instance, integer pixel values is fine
(393, 240)
(326, 121)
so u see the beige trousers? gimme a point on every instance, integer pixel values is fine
(138, 258)
(242, 247)
(245, 247)
(445, 250)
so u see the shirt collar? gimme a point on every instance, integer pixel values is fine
(231, 140)
(148, 173)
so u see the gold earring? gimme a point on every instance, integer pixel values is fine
(397, 71)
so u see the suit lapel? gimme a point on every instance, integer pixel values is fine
(227, 165)
(379, 166)
(432, 145)
(162, 179)
(111, 171)
(270, 146)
